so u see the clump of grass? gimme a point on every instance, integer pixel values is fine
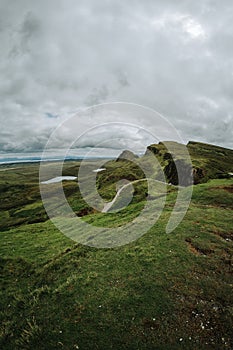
(29, 335)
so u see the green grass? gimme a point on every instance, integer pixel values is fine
(162, 291)
(208, 161)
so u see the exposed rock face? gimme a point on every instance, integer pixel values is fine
(153, 149)
(172, 169)
(209, 161)
(167, 156)
(127, 155)
(198, 175)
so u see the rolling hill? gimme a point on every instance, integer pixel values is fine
(162, 291)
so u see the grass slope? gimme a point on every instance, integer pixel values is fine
(208, 161)
(163, 291)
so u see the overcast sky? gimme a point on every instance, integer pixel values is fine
(58, 57)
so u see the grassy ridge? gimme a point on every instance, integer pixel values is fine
(162, 291)
(208, 161)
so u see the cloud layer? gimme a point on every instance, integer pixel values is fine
(58, 57)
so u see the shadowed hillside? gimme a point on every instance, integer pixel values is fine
(208, 161)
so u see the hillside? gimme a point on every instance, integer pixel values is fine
(162, 291)
(208, 161)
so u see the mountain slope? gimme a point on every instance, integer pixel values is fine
(208, 161)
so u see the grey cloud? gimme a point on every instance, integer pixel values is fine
(59, 56)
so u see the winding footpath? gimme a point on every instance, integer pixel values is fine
(109, 205)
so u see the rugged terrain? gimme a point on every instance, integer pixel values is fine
(162, 291)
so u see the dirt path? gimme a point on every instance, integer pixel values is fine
(109, 205)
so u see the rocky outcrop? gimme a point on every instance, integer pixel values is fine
(185, 171)
(208, 161)
(127, 155)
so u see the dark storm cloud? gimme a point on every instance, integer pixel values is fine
(60, 56)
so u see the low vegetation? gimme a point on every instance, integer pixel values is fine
(162, 291)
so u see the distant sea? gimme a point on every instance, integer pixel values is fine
(32, 158)
(13, 160)
(60, 155)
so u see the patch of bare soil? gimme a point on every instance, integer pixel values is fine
(228, 236)
(225, 188)
(197, 250)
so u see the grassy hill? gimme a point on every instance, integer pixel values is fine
(208, 161)
(163, 291)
